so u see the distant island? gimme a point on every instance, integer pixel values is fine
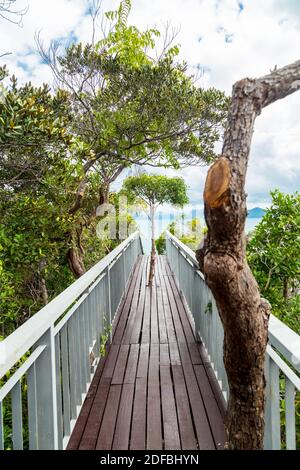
(256, 213)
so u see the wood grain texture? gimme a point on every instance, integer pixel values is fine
(151, 390)
(217, 183)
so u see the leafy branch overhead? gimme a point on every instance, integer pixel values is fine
(131, 108)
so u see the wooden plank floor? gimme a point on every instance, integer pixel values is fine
(155, 389)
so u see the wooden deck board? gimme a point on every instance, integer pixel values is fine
(211, 406)
(106, 434)
(121, 435)
(154, 430)
(132, 363)
(154, 335)
(185, 420)
(121, 363)
(133, 287)
(154, 389)
(169, 414)
(163, 337)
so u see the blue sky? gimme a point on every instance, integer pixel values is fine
(229, 39)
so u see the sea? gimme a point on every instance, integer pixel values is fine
(162, 220)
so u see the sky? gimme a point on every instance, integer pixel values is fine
(228, 39)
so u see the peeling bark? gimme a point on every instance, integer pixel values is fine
(222, 259)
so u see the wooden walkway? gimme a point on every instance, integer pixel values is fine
(155, 389)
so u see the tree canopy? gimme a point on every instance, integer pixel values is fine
(131, 107)
(128, 106)
(155, 190)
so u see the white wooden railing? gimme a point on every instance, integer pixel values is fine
(283, 351)
(59, 349)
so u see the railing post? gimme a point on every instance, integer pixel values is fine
(275, 406)
(124, 267)
(268, 425)
(1, 428)
(46, 397)
(141, 246)
(108, 298)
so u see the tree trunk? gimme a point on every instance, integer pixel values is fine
(152, 256)
(44, 290)
(104, 193)
(285, 289)
(222, 259)
(82, 187)
(75, 262)
(42, 282)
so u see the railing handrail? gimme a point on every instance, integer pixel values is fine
(281, 337)
(187, 251)
(23, 338)
(285, 340)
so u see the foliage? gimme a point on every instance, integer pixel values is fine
(160, 244)
(123, 101)
(155, 190)
(208, 308)
(274, 257)
(121, 112)
(191, 234)
(34, 172)
(31, 116)
(32, 250)
(107, 328)
(38, 162)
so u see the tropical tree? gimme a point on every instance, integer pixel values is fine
(38, 161)
(155, 190)
(132, 107)
(222, 258)
(274, 256)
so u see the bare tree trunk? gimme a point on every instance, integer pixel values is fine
(152, 256)
(222, 259)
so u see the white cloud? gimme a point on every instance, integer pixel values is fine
(234, 43)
